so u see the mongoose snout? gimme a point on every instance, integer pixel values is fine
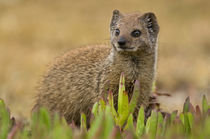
(122, 42)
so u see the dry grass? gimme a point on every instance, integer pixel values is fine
(32, 33)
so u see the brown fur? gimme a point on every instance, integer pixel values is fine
(78, 78)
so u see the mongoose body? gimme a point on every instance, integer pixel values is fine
(77, 79)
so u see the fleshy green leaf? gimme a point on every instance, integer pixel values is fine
(182, 118)
(4, 120)
(160, 123)
(129, 124)
(83, 122)
(185, 121)
(190, 119)
(109, 123)
(187, 124)
(60, 129)
(102, 106)
(95, 126)
(166, 122)
(125, 110)
(140, 127)
(135, 97)
(204, 104)
(111, 104)
(147, 128)
(173, 116)
(186, 105)
(120, 94)
(95, 109)
(44, 118)
(152, 125)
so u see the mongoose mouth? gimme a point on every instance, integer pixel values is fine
(126, 49)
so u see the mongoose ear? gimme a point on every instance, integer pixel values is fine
(115, 17)
(149, 20)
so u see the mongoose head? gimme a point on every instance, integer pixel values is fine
(133, 32)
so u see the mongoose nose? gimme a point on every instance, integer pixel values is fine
(121, 41)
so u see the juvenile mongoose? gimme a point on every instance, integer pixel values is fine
(77, 79)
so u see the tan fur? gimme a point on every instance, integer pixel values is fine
(77, 79)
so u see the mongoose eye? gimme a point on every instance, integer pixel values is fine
(117, 32)
(136, 33)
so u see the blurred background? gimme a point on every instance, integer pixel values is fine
(34, 32)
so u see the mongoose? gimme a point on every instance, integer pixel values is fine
(77, 79)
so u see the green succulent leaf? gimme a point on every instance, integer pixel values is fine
(44, 119)
(190, 119)
(129, 124)
(151, 128)
(186, 106)
(108, 123)
(135, 97)
(140, 127)
(121, 96)
(83, 122)
(102, 106)
(4, 120)
(173, 116)
(125, 110)
(166, 123)
(160, 123)
(95, 109)
(96, 125)
(204, 104)
(111, 104)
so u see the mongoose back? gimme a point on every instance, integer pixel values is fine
(77, 79)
